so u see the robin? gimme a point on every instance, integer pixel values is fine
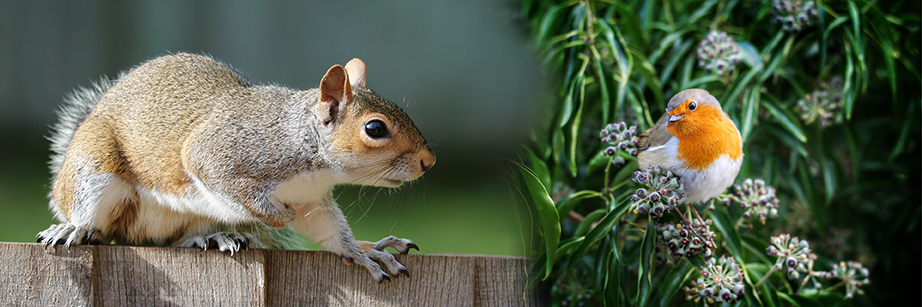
(697, 141)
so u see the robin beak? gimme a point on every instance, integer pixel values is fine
(676, 117)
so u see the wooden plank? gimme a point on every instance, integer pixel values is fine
(302, 278)
(33, 275)
(150, 276)
(502, 281)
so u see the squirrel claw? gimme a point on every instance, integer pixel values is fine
(384, 277)
(401, 245)
(224, 241)
(404, 271)
(67, 235)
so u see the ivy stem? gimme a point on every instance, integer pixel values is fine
(833, 287)
(607, 167)
(576, 217)
(692, 228)
(767, 274)
(739, 223)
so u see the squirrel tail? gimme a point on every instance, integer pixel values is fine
(76, 108)
(274, 238)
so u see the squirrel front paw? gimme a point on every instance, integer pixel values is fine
(224, 241)
(68, 234)
(371, 254)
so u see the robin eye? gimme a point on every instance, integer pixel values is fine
(376, 129)
(692, 106)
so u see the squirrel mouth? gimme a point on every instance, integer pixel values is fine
(391, 182)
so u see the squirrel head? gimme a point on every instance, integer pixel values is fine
(374, 140)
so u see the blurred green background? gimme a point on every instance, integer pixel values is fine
(463, 70)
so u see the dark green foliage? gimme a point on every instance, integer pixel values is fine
(829, 111)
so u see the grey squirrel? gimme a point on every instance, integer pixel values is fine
(184, 151)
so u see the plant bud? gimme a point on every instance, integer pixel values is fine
(654, 197)
(643, 208)
(725, 294)
(618, 162)
(659, 209)
(642, 193)
(610, 151)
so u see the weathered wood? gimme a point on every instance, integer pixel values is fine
(149, 276)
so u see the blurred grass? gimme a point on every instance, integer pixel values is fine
(436, 212)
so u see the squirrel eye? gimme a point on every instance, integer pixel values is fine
(376, 129)
(692, 106)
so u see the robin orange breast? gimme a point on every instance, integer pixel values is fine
(697, 141)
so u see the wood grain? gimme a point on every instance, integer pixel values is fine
(151, 276)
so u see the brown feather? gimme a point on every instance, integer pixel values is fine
(655, 136)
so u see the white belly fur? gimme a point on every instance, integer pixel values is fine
(160, 215)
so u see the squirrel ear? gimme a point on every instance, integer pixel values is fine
(334, 90)
(356, 70)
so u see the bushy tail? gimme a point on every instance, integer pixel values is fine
(77, 106)
(274, 238)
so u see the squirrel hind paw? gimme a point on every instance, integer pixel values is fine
(224, 241)
(402, 246)
(68, 235)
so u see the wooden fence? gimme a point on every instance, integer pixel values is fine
(104, 275)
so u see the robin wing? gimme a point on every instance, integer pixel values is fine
(655, 136)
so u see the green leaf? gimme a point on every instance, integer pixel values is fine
(539, 168)
(598, 161)
(597, 233)
(832, 25)
(603, 78)
(904, 133)
(749, 53)
(547, 213)
(674, 58)
(567, 245)
(785, 119)
(568, 203)
(799, 301)
(567, 111)
(574, 127)
(675, 279)
(766, 290)
(645, 267)
(550, 21)
(557, 146)
(829, 177)
(697, 82)
(750, 112)
(776, 61)
(649, 73)
(588, 221)
(727, 230)
(856, 20)
(848, 88)
(702, 11)
(756, 246)
(788, 140)
(739, 86)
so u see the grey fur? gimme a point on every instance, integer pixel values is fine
(75, 109)
(182, 150)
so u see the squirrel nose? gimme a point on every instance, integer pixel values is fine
(423, 166)
(426, 159)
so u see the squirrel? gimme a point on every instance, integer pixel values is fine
(183, 151)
